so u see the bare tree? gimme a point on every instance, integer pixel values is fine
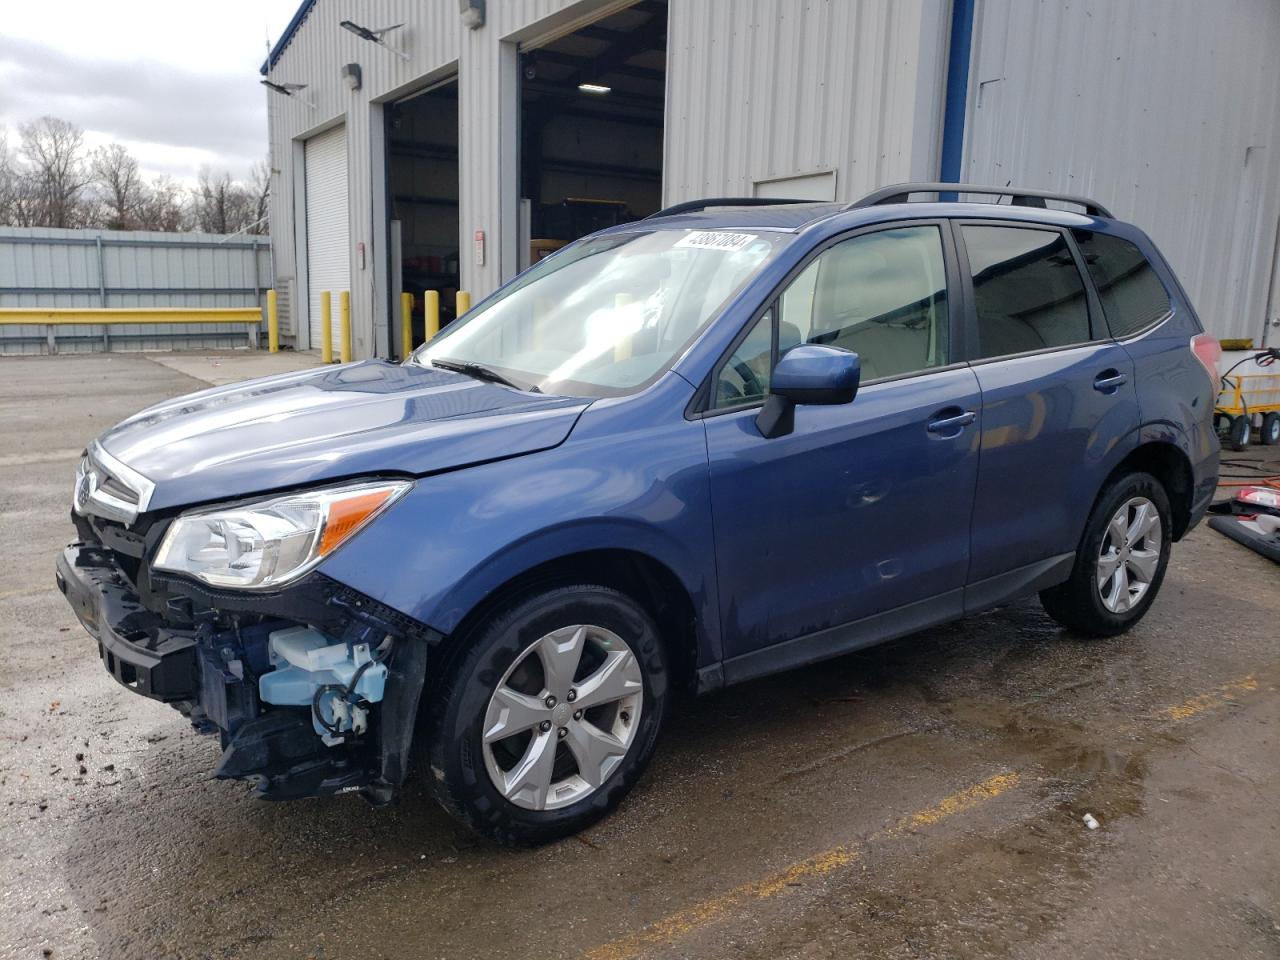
(260, 186)
(120, 186)
(53, 150)
(162, 207)
(223, 205)
(10, 188)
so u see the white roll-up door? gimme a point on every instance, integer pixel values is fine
(328, 236)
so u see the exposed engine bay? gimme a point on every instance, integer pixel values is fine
(313, 688)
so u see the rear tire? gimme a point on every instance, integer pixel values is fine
(1271, 429)
(549, 715)
(1241, 432)
(1121, 561)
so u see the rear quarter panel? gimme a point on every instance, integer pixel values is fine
(1175, 393)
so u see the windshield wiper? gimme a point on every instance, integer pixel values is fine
(480, 372)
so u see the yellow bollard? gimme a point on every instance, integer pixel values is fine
(431, 313)
(273, 323)
(344, 325)
(464, 302)
(326, 327)
(406, 325)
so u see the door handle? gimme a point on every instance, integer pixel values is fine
(956, 422)
(1109, 380)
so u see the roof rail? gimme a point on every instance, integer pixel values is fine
(693, 206)
(1019, 196)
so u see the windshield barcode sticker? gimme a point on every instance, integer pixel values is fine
(716, 240)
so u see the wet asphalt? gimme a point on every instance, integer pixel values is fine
(921, 799)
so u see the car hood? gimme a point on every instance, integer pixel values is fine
(357, 419)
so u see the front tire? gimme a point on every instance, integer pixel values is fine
(1121, 561)
(549, 715)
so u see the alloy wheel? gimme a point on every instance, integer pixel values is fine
(1129, 558)
(562, 717)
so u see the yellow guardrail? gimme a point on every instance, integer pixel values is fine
(107, 317)
(66, 316)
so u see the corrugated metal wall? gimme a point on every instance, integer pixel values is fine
(761, 89)
(437, 45)
(104, 268)
(1166, 111)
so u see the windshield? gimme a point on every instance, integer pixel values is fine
(607, 315)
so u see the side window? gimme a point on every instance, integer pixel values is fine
(744, 377)
(882, 295)
(1028, 293)
(1132, 295)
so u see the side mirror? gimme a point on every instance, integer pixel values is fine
(812, 373)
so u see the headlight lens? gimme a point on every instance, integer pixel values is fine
(271, 542)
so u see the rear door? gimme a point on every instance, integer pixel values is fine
(1059, 407)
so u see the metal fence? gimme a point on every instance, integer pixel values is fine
(50, 268)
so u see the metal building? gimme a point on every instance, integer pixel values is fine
(450, 151)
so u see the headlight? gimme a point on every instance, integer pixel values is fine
(268, 543)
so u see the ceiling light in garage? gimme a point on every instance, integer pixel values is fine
(597, 88)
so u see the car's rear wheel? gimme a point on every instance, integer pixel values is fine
(549, 715)
(1120, 563)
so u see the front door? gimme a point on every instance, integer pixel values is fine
(864, 509)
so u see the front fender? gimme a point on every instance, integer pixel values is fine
(620, 482)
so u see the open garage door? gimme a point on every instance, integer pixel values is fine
(592, 111)
(328, 229)
(422, 184)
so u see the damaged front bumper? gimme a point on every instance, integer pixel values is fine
(205, 653)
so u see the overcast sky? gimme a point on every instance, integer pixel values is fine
(174, 81)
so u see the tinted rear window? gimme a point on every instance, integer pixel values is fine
(1132, 295)
(1029, 294)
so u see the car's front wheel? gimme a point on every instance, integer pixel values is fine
(1121, 560)
(549, 714)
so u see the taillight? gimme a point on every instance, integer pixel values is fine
(1208, 351)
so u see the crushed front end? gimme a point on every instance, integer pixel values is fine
(312, 687)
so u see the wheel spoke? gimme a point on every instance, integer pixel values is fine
(560, 653)
(1107, 564)
(529, 780)
(1119, 527)
(596, 751)
(618, 677)
(512, 712)
(1120, 599)
(1144, 518)
(1143, 564)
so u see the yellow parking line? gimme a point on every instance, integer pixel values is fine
(692, 918)
(1214, 698)
(819, 865)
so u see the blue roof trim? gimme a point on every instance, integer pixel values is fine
(285, 37)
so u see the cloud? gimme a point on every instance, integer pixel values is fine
(174, 119)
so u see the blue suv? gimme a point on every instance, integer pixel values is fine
(724, 441)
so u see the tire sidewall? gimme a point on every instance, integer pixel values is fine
(1134, 485)
(459, 773)
(1271, 429)
(1241, 433)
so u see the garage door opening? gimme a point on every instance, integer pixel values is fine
(422, 186)
(592, 107)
